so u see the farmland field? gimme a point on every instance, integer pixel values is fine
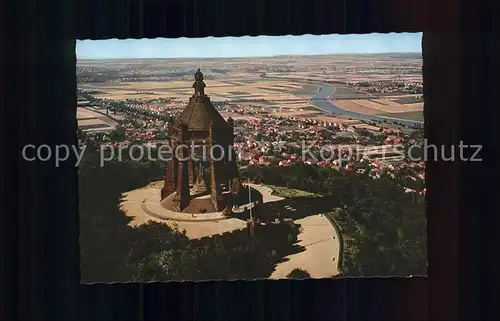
(341, 91)
(276, 82)
(409, 100)
(238, 93)
(413, 115)
(305, 90)
(374, 107)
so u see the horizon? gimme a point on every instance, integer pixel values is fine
(257, 57)
(239, 47)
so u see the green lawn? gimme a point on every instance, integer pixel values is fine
(291, 192)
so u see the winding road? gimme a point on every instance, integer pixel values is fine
(320, 100)
(317, 236)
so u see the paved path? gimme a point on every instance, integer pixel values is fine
(132, 206)
(321, 255)
(318, 236)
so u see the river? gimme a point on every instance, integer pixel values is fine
(320, 100)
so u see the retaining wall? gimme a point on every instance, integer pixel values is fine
(168, 215)
(235, 237)
(271, 232)
(341, 241)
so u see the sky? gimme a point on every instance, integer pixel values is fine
(261, 46)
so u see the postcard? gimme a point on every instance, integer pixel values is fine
(251, 158)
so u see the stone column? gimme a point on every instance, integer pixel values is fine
(233, 167)
(175, 170)
(169, 186)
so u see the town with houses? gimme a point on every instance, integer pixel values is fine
(266, 139)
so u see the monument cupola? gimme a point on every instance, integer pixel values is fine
(199, 84)
(200, 112)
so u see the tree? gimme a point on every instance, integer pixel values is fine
(161, 135)
(170, 119)
(168, 265)
(298, 274)
(80, 134)
(118, 134)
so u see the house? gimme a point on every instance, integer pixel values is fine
(284, 162)
(349, 167)
(394, 139)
